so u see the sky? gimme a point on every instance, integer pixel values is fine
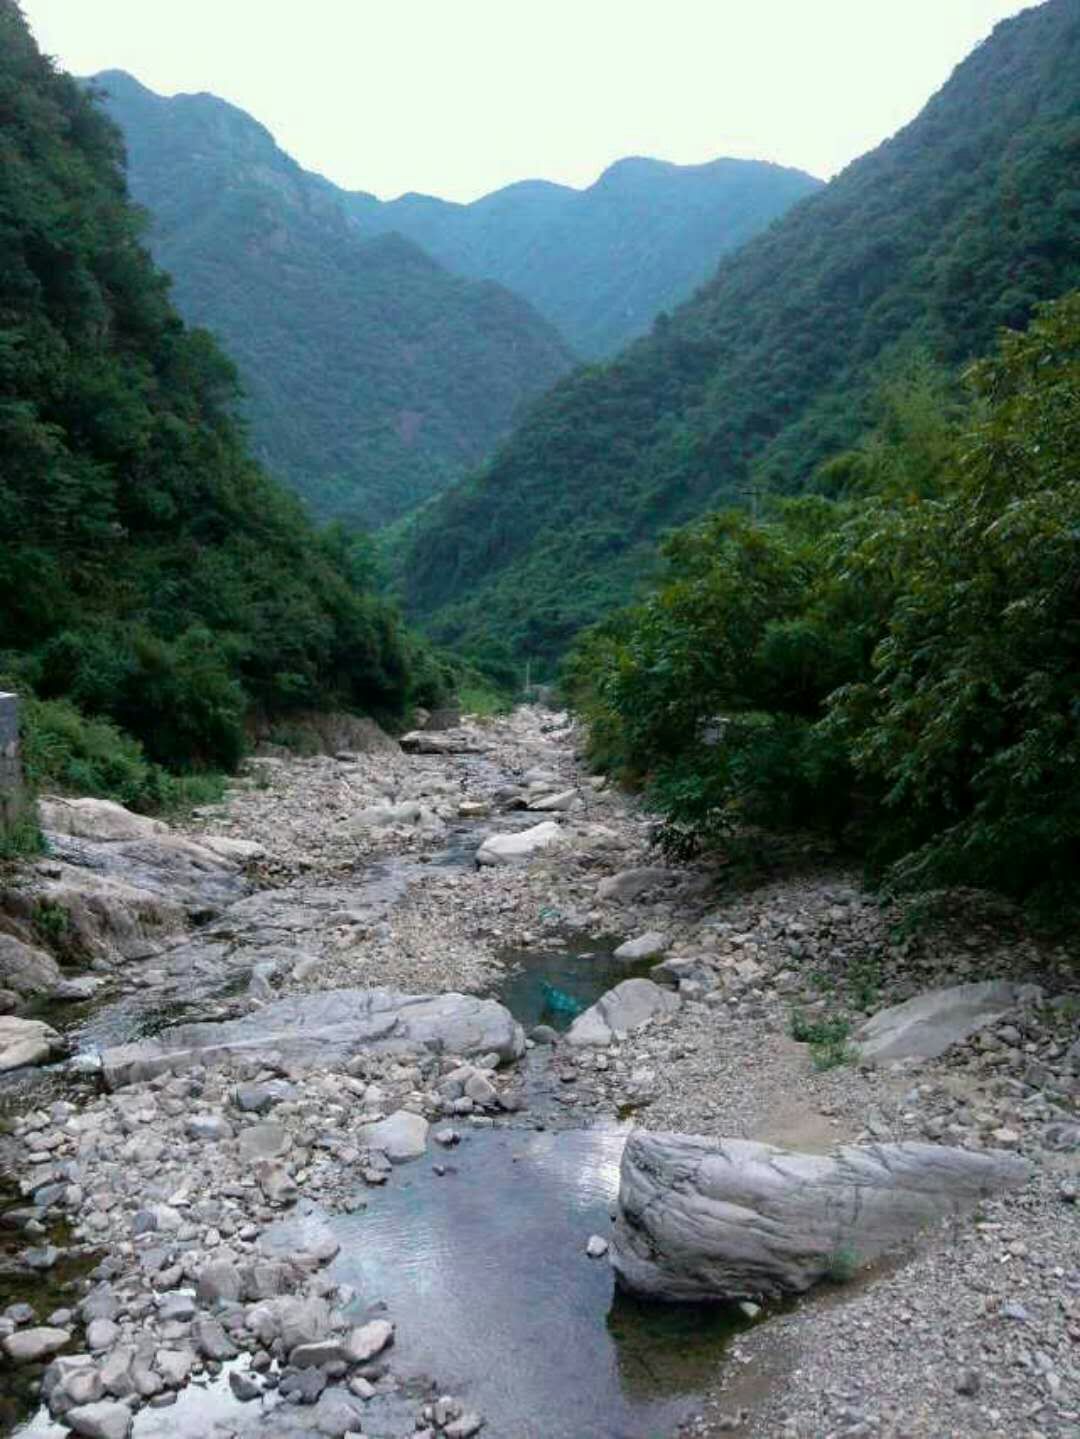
(459, 97)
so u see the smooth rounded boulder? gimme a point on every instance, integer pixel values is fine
(702, 1219)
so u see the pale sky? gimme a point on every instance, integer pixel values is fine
(459, 97)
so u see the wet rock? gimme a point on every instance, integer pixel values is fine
(243, 1388)
(401, 1136)
(27, 1346)
(317, 1354)
(596, 1247)
(645, 946)
(512, 848)
(544, 1034)
(928, 1024)
(104, 1420)
(363, 1343)
(303, 1387)
(25, 969)
(623, 1009)
(717, 1219)
(211, 1341)
(328, 1027)
(25, 1042)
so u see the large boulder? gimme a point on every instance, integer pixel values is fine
(96, 819)
(706, 1218)
(26, 1041)
(630, 883)
(623, 1009)
(327, 1027)
(645, 946)
(401, 1136)
(25, 968)
(926, 1026)
(510, 848)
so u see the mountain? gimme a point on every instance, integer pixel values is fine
(956, 226)
(600, 263)
(373, 376)
(151, 574)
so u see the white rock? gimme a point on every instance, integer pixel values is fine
(98, 819)
(926, 1026)
(25, 1042)
(620, 1011)
(27, 1346)
(368, 1340)
(509, 848)
(401, 1136)
(104, 1420)
(645, 946)
(597, 1246)
(564, 800)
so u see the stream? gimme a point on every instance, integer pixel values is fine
(477, 1252)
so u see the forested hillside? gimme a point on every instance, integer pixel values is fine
(599, 263)
(150, 573)
(955, 227)
(373, 377)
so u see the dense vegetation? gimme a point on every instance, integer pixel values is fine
(900, 650)
(151, 576)
(373, 376)
(600, 263)
(956, 226)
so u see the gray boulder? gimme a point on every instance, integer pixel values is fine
(928, 1024)
(402, 1136)
(25, 1041)
(328, 1027)
(645, 946)
(623, 1009)
(106, 1419)
(26, 969)
(630, 883)
(511, 848)
(727, 1218)
(27, 1346)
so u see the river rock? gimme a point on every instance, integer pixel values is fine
(104, 1420)
(645, 946)
(401, 1136)
(363, 1343)
(928, 1024)
(702, 1219)
(97, 819)
(25, 1042)
(510, 848)
(264, 1141)
(553, 803)
(327, 1027)
(27, 1346)
(621, 1010)
(26, 969)
(240, 851)
(628, 884)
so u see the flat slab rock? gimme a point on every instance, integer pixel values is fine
(25, 1042)
(928, 1024)
(703, 1218)
(326, 1028)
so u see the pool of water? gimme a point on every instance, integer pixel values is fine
(552, 984)
(485, 1271)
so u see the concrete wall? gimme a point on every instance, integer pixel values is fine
(12, 797)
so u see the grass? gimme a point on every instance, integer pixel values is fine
(22, 839)
(827, 1038)
(843, 1265)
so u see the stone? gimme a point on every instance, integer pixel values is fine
(254, 1098)
(28, 1346)
(401, 1136)
(544, 1034)
(645, 946)
(243, 1388)
(106, 1419)
(327, 1028)
(553, 803)
(97, 819)
(303, 1386)
(25, 1042)
(26, 969)
(211, 1341)
(511, 848)
(629, 884)
(620, 1011)
(363, 1343)
(174, 1366)
(78, 989)
(336, 1415)
(264, 1141)
(927, 1025)
(596, 1247)
(116, 1373)
(275, 1181)
(704, 1219)
(465, 1427)
(316, 1354)
(101, 1334)
(242, 851)
(210, 1127)
(176, 1306)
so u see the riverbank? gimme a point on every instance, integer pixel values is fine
(358, 871)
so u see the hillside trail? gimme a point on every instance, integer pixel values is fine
(305, 1154)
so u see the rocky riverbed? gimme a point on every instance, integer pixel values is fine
(305, 1173)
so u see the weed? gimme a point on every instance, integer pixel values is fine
(51, 920)
(842, 1265)
(827, 1038)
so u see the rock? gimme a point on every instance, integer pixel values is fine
(211, 1341)
(336, 1415)
(316, 1354)
(219, 1283)
(368, 1340)
(104, 1420)
(646, 946)
(241, 851)
(725, 1219)
(622, 1010)
(926, 1026)
(450, 742)
(27, 1346)
(97, 819)
(465, 1427)
(510, 848)
(597, 1246)
(254, 1098)
(26, 969)
(264, 1141)
(401, 1136)
(25, 1041)
(630, 883)
(116, 1373)
(174, 1366)
(78, 989)
(176, 1306)
(326, 1028)
(544, 1034)
(71, 1380)
(243, 1388)
(209, 1127)
(552, 803)
(677, 972)
(101, 1334)
(275, 1181)
(303, 1386)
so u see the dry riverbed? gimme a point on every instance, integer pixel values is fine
(358, 871)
